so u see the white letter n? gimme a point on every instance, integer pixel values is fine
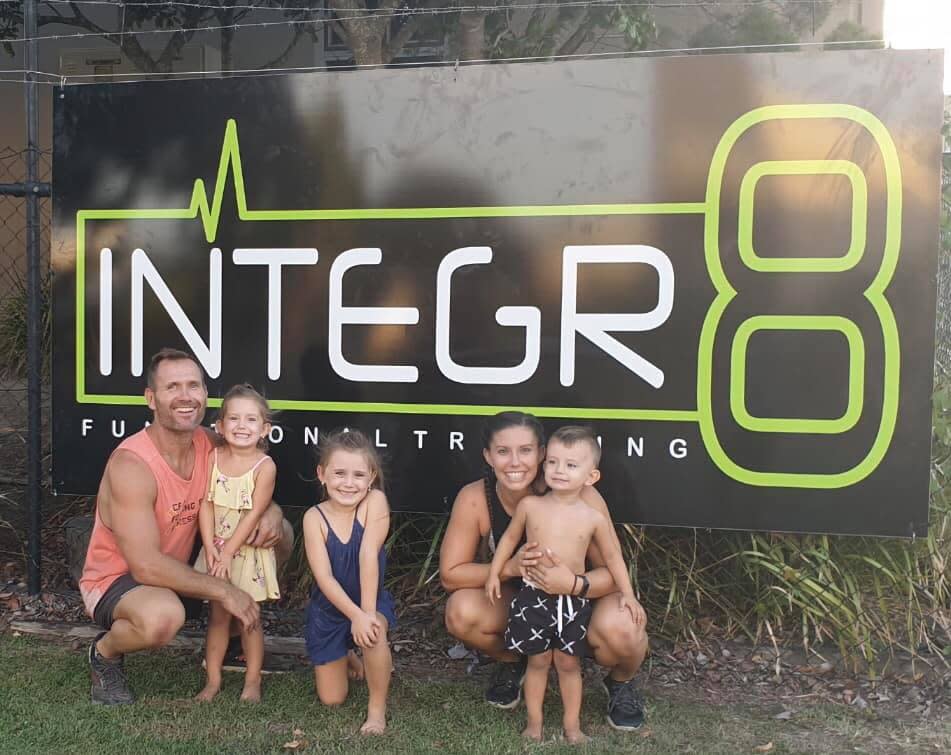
(209, 356)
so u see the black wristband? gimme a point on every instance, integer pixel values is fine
(585, 585)
(574, 585)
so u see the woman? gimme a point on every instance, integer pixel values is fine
(513, 448)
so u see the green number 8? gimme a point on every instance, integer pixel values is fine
(875, 294)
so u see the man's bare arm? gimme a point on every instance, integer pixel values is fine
(131, 516)
(270, 527)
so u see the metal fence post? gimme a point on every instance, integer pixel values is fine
(34, 353)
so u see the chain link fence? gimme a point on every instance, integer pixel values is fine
(13, 350)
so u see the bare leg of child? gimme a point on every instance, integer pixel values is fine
(570, 683)
(536, 680)
(355, 669)
(331, 682)
(253, 645)
(215, 646)
(378, 662)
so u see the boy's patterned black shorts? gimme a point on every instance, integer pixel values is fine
(539, 622)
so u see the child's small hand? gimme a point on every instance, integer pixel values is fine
(365, 629)
(493, 588)
(223, 566)
(212, 556)
(629, 602)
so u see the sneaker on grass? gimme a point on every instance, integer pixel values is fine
(625, 707)
(505, 689)
(109, 685)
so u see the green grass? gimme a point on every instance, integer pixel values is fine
(44, 708)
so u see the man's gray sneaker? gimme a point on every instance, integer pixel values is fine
(625, 707)
(109, 686)
(505, 689)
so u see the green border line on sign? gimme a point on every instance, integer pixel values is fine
(210, 214)
(230, 160)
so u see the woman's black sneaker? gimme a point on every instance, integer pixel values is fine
(109, 685)
(505, 689)
(625, 707)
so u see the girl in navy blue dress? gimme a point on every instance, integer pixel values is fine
(344, 536)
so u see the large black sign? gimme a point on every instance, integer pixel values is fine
(725, 264)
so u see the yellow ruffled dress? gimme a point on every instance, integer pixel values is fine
(254, 570)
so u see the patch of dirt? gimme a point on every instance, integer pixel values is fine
(909, 687)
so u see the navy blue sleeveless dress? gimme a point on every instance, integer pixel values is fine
(327, 631)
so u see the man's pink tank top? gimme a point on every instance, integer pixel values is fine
(176, 513)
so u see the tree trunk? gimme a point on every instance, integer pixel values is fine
(226, 20)
(366, 40)
(137, 56)
(227, 59)
(366, 33)
(472, 36)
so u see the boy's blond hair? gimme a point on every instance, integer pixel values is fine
(569, 435)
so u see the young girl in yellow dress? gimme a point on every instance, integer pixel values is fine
(240, 489)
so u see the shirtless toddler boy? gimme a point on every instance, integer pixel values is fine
(547, 627)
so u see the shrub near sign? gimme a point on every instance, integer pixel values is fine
(737, 291)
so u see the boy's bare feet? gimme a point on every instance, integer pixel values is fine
(533, 731)
(373, 725)
(208, 693)
(354, 666)
(252, 691)
(576, 737)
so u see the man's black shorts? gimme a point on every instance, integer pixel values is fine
(105, 608)
(102, 614)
